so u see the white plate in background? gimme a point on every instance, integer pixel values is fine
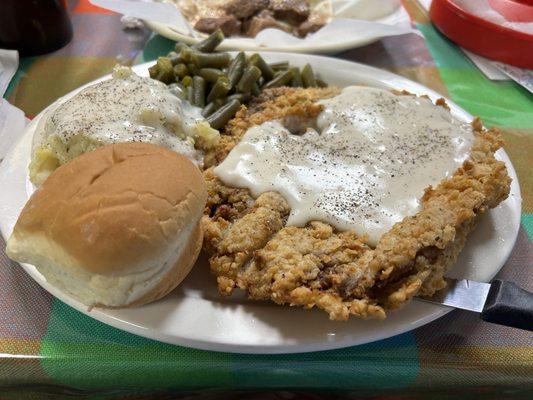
(335, 43)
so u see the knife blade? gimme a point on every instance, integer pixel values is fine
(499, 302)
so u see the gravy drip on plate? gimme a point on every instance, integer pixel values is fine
(365, 168)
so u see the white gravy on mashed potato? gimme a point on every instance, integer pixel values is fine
(126, 108)
(364, 168)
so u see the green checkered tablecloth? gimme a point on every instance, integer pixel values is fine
(49, 350)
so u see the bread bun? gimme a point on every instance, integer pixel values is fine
(118, 226)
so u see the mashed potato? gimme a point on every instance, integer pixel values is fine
(126, 108)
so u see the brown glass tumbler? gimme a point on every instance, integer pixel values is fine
(34, 26)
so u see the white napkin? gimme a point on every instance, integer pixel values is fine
(9, 62)
(523, 77)
(12, 124)
(12, 119)
(397, 21)
(486, 66)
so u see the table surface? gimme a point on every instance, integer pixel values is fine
(47, 347)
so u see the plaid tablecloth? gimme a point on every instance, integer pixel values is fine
(49, 349)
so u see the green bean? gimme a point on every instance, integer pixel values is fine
(209, 109)
(282, 79)
(219, 102)
(213, 106)
(236, 68)
(220, 89)
(178, 89)
(210, 43)
(321, 83)
(190, 94)
(296, 80)
(255, 89)
(179, 46)
(219, 118)
(162, 70)
(153, 71)
(266, 70)
(279, 65)
(210, 74)
(181, 70)
(193, 69)
(214, 60)
(249, 77)
(308, 77)
(186, 54)
(186, 81)
(198, 85)
(242, 97)
(174, 58)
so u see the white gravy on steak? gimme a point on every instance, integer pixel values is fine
(365, 167)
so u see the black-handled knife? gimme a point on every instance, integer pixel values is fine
(499, 302)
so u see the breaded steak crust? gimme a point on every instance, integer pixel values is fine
(251, 247)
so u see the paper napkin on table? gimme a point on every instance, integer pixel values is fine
(12, 124)
(9, 62)
(12, 119)
(524, 77)
(485, 65)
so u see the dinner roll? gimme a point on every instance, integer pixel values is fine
(118, 226)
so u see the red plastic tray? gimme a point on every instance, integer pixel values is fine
(484, 37)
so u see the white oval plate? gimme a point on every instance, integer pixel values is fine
(335, 45)
(195, 315)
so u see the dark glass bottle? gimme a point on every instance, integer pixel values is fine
(34, 26)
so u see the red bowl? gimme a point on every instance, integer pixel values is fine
(481, 36)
